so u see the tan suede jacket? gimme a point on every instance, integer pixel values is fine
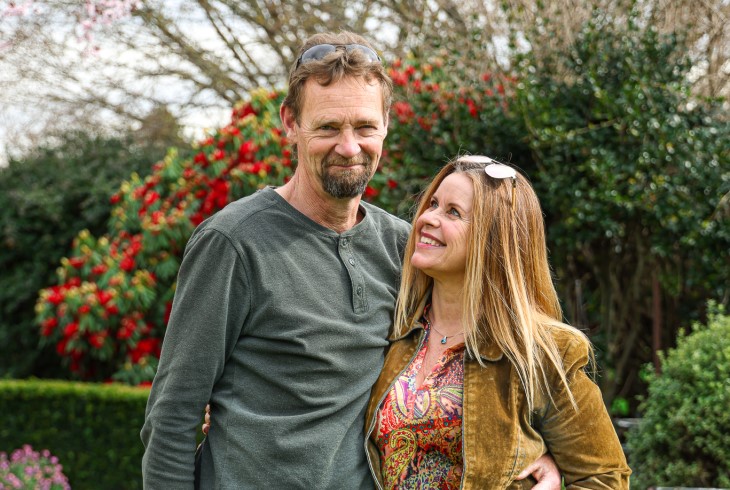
(498, 438)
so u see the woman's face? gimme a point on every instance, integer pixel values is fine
(442, 230)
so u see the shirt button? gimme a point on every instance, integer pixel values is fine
(344, 242)
(359, 290)
(352, 261)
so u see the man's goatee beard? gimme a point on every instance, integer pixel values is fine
(346, 183)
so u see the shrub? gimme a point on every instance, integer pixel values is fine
(27, 468)
(607, 131)
(432, 120)
(46, 198)
(93, 429)
(684, 436)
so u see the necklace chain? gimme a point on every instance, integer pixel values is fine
(444, 338)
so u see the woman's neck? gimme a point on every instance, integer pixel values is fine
(446, 308)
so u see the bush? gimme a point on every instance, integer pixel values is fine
(93, 429)
(46, 198)
(432, 120)
(27, 468)
(608, 132)
(684, 436)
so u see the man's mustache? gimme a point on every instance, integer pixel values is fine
(339, 161)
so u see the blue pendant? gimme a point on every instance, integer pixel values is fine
(443, 341)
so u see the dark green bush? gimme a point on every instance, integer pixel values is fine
(684, 436)
(93, 429)
(46, 198)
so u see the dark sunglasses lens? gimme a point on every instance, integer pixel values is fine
(369, 53)
(316, 53)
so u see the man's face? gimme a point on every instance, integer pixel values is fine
(339, 136)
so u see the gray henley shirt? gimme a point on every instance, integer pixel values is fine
(281, 323)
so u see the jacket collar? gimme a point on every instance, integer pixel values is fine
(488, 349)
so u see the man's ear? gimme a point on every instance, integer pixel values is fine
(289, 122)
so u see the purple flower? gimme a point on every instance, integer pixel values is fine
(30, 469)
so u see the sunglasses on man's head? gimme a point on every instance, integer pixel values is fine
(494, 169)
(319, 51)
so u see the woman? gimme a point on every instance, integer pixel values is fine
(482, 377)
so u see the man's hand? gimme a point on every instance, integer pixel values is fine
(545, 471)
(206, 425)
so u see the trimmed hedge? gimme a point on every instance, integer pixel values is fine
(92, 428)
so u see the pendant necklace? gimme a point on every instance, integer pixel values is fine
(444, 338)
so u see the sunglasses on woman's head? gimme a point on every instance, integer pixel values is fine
(494, 169)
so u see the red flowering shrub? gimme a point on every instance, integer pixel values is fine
(108, 313)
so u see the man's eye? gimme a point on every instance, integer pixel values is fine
(367, 130)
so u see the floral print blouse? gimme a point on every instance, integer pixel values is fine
(418, 429)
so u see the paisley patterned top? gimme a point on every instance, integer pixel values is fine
(418, 429)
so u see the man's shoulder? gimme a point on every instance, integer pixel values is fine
(237, 213)
(383, 219)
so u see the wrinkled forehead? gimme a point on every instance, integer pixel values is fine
(352, 97)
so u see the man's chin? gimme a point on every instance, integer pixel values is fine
(344, 189)
(346, 184)
(341, 192)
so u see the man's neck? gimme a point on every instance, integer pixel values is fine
(336, 214)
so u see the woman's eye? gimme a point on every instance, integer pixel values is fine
(434, 204)
(455, 213)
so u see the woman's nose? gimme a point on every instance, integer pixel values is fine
(430, 217)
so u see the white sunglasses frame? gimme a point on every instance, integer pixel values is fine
(494, 169)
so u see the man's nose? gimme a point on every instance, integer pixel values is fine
(347, 146)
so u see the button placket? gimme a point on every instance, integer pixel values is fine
(356, 280)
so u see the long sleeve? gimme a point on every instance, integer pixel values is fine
(583, 441)
(210, 305)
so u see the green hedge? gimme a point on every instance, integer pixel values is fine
(92, 428)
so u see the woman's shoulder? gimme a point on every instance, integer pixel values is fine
(572, 344)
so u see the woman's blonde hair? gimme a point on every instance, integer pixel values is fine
(509, 296)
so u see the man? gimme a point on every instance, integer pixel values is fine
(284, 301)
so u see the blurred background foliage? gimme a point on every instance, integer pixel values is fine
(631, 166)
